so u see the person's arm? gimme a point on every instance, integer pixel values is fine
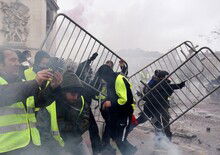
(124, 70)
(48, 95)
(17, 92)
(177, 86)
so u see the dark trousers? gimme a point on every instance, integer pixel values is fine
(118, 129)
(161, 116)
(94, 134)
(106, 134)
(142, 118)
(162, 123)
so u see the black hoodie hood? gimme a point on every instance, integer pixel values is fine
(105, 72)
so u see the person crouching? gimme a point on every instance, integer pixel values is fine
(73, 114)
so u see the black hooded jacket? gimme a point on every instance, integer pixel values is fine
(73, 118)
(157, 98)
(112, 94)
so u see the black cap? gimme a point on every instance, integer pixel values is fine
(161, 73)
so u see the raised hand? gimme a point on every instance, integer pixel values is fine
(57, 80)
(43, 75)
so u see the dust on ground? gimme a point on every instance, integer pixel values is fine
(196, 133)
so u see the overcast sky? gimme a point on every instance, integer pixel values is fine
(152, 25)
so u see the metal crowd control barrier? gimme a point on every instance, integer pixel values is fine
(165, 62)
(69, 41)
(197, 68)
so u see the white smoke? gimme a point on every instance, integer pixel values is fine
(149, 25)
(159, 145)
(169, 148)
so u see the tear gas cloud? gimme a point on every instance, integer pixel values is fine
(149, 25)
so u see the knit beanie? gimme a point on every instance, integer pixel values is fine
(71, 82)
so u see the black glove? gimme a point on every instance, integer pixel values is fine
(168, 81)
(93, 56)
(182, 84)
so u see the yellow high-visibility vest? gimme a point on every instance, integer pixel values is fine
(30, 75)
(101, 97)
(17, 125)
(121, 90)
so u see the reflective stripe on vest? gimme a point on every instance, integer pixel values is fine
(83, 105)
(17, 127)
(10, 111)
(15, 111)
(12, 128)
(55, 133)
(81, 109)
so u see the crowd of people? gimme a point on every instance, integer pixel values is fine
(45, 107)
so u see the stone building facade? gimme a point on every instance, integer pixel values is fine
(23, 23)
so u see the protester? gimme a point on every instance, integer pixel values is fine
(119, 104)
(105, 113)
(46, 116)
(18, 132)
(156, 101)
(85, 73)
(122, 64)
(24, 59)
(73, 114)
